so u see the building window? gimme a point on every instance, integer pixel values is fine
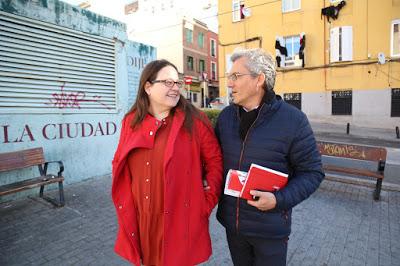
(290, 5)
(200, 39)
(202, 66)
(341, 44)
(213, 48)
(341, 102)
(395, 38)
(293, 99)
(395, 112)
(194, 97)
(213, 71)
(190, 63)
(292, 45)
(189, 36)
(237, 7)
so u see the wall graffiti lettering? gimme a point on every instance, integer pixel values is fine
(64, 99)
(342, 150)
(56, 131)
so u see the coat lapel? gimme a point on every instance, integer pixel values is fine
(177, 123)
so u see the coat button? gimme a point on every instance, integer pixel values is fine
(147, 163)
(147, 180)
(120, 207)
(166, 212)
(147, 197)
(133, 234)
(151, 133)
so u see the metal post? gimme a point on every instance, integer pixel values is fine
(348, 129)
(397, 133)
(205, 92)
(190, 94)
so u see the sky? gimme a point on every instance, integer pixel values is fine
(203, 10)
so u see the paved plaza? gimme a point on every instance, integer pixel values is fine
(338, 225)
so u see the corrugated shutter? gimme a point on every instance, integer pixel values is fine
(46, 68)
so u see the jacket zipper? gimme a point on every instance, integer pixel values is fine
(240, 162)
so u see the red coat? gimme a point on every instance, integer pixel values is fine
(186, 205)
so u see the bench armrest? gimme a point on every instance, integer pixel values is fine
(60, 164)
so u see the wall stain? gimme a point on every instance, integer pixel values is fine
(44, 3)
(7, 6)
(98, 19)
(61, 10)
(144, 50)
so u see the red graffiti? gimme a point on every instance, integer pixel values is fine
(72, 99)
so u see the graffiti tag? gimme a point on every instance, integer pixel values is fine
(64, 99)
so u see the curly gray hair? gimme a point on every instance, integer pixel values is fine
(258, 61)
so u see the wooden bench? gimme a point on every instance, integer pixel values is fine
(375, 155)
(29, 158)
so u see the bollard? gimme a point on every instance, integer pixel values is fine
(348, 129)
(397, 133)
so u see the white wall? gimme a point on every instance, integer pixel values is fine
(370, 108)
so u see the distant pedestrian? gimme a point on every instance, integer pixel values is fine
(166, 150)
(261, 128)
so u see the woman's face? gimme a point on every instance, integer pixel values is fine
(163, 92)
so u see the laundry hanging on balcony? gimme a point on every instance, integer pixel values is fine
(332, 11)
(281, 51)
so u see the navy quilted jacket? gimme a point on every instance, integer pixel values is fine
(280, 138)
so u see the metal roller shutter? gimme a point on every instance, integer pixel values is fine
(46, 68)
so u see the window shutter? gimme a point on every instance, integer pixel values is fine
(334, 45)
(45, 68)
(228, 63)
(235, 10)
(347, 43)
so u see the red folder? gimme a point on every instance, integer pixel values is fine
(264, 179)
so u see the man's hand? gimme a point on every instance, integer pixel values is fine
(266, 201)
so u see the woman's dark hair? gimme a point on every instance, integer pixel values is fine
(142, 103)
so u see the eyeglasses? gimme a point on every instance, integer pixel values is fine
(169, 83)
(234, 76)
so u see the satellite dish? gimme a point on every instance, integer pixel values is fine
(246, 11)
(381, 58)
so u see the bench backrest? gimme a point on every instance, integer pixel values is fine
(21, 159)
(351, 151)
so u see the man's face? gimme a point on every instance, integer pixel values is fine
(246, 89)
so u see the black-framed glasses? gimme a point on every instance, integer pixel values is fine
(234, 76)
(169, 83)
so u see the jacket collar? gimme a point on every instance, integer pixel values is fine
(143, 136)
(270, 103)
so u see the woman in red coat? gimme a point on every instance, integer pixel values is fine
(167, 149)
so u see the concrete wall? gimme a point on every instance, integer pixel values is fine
(365, 108)
(85, 142)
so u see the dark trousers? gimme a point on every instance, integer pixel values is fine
(256, 251)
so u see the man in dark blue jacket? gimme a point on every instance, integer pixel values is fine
(261, 128)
